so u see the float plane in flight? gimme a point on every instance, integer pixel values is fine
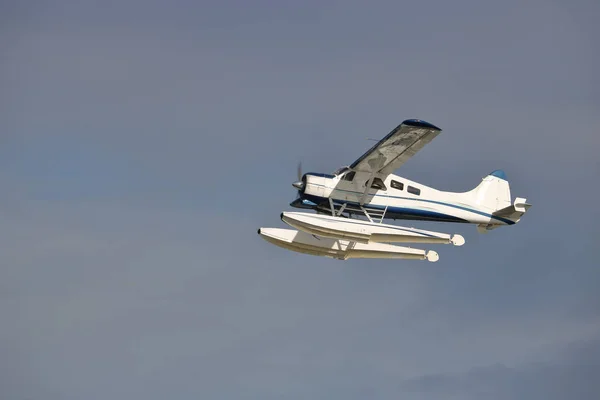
(353, 203)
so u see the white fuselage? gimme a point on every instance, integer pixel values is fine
(405, 199)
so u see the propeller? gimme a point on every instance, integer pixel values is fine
(299, 184)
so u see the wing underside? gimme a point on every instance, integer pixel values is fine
(396, 147)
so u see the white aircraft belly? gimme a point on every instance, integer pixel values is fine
(341, 249)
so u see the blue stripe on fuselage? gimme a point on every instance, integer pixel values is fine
(395, 212)
(403, 212)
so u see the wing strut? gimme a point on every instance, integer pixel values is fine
(369, 183)
(335, 213)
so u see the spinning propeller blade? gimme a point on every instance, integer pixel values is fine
(299, 184)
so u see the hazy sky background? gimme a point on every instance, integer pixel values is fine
(142, 143)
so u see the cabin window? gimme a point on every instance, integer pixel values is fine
(377, 184)
(413, 190)
(397, 185)
(349, 176)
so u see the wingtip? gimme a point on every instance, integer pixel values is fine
(420, 123)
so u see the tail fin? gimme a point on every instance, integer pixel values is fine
(493, 192)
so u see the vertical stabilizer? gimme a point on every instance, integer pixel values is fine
(493, 192)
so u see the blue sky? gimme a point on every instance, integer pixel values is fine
(143, 143)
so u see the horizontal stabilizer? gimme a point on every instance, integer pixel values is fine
(521, 205)
(516, 210)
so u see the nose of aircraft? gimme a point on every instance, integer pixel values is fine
(298, 185)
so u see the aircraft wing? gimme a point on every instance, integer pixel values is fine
(397, 147)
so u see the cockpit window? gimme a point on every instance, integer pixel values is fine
(397, 185)
(349, 176)
(377, 184)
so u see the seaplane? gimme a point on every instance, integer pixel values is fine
(344, 213)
